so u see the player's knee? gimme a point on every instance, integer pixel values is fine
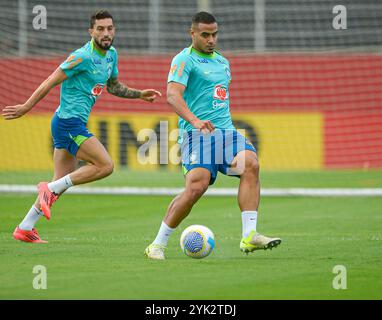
(107, 168)
(196, 190)
(252, 166)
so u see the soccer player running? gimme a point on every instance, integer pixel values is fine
(83, 76)
(198, 92)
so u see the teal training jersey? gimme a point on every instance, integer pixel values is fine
(206, 78)
(88, 71)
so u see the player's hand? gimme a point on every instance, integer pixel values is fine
(149, 95)
(14, 112)
(205, 126)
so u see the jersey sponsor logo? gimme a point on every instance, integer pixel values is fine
(204, 60)
(109, 59)
(97, 89)
(218, 105)
(97, 61)
(220, 92)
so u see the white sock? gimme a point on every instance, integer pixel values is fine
(60, 185)
(31, 219)
(163, 235)
(249, 220)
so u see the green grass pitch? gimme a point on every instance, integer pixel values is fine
(96, 245)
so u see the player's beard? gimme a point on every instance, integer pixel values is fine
(100, 45)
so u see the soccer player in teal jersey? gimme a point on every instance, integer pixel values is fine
(82, 76)
(198, 91)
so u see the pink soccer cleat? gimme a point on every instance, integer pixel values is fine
(27, 235)
(46, 198)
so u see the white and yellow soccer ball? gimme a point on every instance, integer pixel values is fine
(197, 241)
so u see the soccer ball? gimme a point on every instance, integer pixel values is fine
(197, 241)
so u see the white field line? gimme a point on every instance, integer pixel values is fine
(142, 191)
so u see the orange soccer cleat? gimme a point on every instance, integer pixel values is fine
(27, 235)
(46, 198)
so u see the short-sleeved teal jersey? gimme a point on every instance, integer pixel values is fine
(206, 78)
(88, 71)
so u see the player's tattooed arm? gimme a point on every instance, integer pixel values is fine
(118, 89)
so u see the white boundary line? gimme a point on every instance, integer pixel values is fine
(142, 191)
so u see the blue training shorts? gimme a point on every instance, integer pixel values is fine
(69, 133)
(214, 151)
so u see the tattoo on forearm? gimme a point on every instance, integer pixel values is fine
(116, 88)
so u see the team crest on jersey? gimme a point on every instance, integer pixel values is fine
(97, 89)
(220, 92)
